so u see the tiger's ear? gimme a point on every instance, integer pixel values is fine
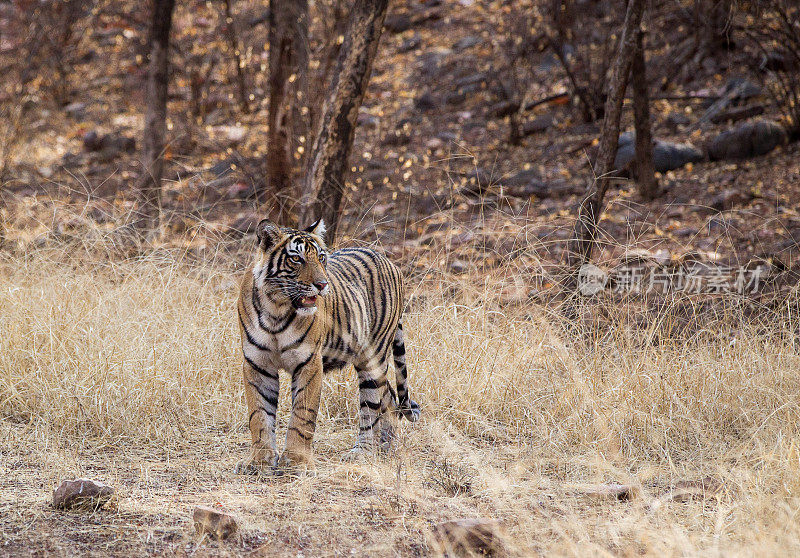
(268, 234)
(317, 229)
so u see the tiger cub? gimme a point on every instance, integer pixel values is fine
(308, 311)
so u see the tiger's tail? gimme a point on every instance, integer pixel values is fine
(406, 407)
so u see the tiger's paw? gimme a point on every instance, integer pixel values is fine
(294, 464)
(257, 465)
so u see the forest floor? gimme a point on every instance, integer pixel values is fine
(106, 374)
(124, 367)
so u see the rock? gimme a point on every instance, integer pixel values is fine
(397, 138)
(468, 536)
(76, 110)
(459, 266)
(397, 23)
(110, 143)
(471, 80)
(412, 43)
(465, 43)
(520, 178)
(737, 113)
(430, 63)
(234, 134)
(434, 143)
(91, 141)
(214, 523)
(539, 124)
(666, 155)
(455, 98)
(677, 120)
(503, 109)
(749, 139)
(727, 199)
(83, 494)
(426, 102)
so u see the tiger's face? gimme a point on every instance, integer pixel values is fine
(290, 265)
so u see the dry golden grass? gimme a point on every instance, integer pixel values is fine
(128, 372)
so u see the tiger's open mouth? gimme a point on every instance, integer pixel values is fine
(307, 302)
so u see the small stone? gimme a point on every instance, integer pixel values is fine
(729, 198)
(76, 110)
(412, 43)
(677, 120)
(426, 102)
(455, 98)
(459, 266)
(539, 124)
(503, 109)
(214, 523)
(84, 494)
(465, 43)
(467, 536)
(397, 23)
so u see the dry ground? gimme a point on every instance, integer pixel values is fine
(128, 373)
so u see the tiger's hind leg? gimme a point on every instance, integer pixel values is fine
(376, 401)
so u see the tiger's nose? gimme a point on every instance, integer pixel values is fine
(321, 285)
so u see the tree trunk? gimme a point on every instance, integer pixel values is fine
(645, 172)
(584, 235)
(155, 124)
(328, 163)
(288, 66)
(233, 44)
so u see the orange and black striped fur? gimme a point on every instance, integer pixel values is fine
(305, 311)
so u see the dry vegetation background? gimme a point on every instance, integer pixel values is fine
(121, 362)
(129, 372)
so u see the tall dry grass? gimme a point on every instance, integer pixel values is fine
(143, 353)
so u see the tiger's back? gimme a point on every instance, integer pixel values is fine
(365, 306)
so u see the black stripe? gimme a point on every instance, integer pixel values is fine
(249, 420)
(258, 369)
(303, 436)
(271, 399)
(299, 366)
(399, 349)
(250, 337)
(372, 384)
(299, 340)
(371, 426)
(300, 390)
(373, 406)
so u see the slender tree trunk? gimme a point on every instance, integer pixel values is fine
(584, 235)
(328, 163)
(155, 125)
(645, 172)
(288, 67)
(233, 44)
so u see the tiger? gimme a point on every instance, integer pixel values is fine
(309, 311)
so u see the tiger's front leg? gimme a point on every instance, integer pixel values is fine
(306, 389)
(261, 392)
